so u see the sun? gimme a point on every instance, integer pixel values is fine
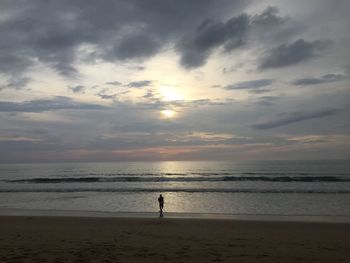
(168, 113)
(169, 94)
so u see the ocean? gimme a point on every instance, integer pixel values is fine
(239, 188)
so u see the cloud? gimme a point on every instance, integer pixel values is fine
(106, 96)
(16, 83)
(77, 89)
(152, 95)
(328, 78)
(113, 83)
(141, 45)
(259, 91)
(111, 42)
(52, 33)
(157, 104)
(290, 54)
(196, 49)
(102, 94)
(309, 139)
(237, 32)
(272, 28)
(57, 103)
(295, 117)
(269, 18)
(139, 84)
(11, 63)
(252, 84)
(266, 100)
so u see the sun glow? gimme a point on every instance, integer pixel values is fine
(170, 93)
(168, 113)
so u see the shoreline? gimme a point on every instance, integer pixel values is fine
(7, 212)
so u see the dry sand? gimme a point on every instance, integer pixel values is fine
(69, 239)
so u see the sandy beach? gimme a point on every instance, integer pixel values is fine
(79, 239)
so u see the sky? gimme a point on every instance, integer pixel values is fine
(156, 80)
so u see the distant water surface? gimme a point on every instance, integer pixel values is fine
(259, 187)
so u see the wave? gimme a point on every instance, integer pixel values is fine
(187, 190)
(45, 180)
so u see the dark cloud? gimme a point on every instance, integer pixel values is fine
(114, 83)
(57, 103)
(252, 84)
(107, 96)
(151, 94)
(269, 18)
(51, 32)
(232, 68)
(78, 89)
(272, 28)
(191, 103)
(138, 46)
(294, 53)
(196, 49)
(295, 117)
(259, 91)
(103, 94)
(11, 63)
(236, 32)
(328, 78)
(156, 104)
(139, 84)
(16, 83)
(266, 100)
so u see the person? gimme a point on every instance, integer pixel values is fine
(161, 205)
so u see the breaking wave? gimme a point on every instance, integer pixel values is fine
(163, 190)
(96, 179)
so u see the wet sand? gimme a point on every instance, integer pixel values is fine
(83, 239)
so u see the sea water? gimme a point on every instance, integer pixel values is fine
(241, 188)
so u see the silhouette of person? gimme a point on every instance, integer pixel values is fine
(161, 205)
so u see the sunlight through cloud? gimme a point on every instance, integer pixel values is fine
(170, 93)
(168, 114)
